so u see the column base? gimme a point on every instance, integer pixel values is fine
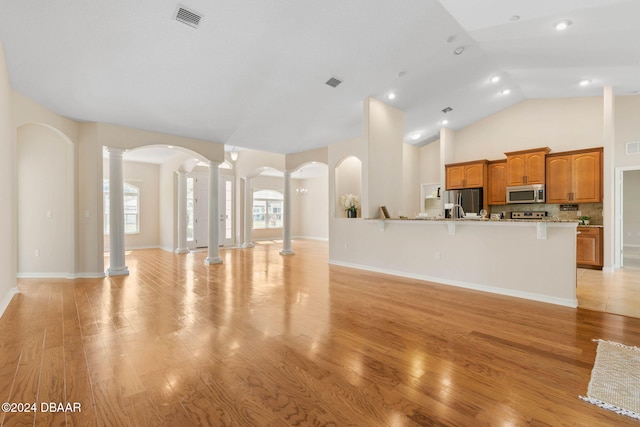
(287, 252)
(248, 245)
(117, 271)
(211, 261)
(182, 251)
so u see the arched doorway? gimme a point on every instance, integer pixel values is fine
(46, 213)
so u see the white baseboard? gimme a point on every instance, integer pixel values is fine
(7, 299)
(477, 287)
(28, 275)
(68, 276)
(133, 248)
(322, 239)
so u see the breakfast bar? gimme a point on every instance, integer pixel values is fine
(526, 259)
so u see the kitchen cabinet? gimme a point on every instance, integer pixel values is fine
(574, 176)
(589, 247)
(466, 175)
(526, 167)
(497, 182)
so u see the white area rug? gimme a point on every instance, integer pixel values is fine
(615, 379)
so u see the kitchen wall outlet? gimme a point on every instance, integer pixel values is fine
(437, 256)
(49, 214)
(37, 252)
(346, 246)
(579, 213)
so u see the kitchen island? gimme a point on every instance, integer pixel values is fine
(530, 259)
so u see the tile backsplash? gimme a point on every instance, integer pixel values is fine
(594, 210)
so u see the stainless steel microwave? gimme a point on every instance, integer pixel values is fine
(526, 194)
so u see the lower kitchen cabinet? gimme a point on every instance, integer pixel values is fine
(589, 247)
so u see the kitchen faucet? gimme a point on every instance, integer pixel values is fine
(460, 211)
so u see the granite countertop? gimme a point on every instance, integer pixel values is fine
(552, 220)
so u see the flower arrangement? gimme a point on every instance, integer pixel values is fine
(350, 203)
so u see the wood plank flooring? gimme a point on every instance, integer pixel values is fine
(268, 340)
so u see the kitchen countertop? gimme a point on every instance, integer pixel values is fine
(433, 219)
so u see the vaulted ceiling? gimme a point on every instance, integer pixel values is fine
(253, 73)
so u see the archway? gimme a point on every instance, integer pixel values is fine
(46, 202)
(348, 181)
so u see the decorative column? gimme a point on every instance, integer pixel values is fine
(214, 221)
(182, 213)
(117, 265)
(286, 239)
(248, 213)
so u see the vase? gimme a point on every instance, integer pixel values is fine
(352, 214)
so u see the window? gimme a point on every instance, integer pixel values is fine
(191, 203)
(131, 207)
(267, 209)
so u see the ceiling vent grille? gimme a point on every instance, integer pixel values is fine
(334, 82)
(446, 110)
(187, 16)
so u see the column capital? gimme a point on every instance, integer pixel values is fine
(114, 151)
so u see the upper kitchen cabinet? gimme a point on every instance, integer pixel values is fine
(526, 167)
(466, 175)
(575, 176)
(497, 185)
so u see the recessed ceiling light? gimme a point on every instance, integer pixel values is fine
(391, 95)
(505, 92)
(495, 79)
(514, 18)
(563, 25)
(415, 136)
(451, 38)
(459, 50)
(584, 82)
(401, 74)
(444, 122)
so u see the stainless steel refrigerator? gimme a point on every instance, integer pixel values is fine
(469, 199)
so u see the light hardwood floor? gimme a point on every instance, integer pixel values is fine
(616, 292)
(267, 340)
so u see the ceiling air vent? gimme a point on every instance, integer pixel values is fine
(446, 110)
(334, 82)
(188, 17)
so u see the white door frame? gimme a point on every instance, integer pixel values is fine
(226, 210)
(619, 211)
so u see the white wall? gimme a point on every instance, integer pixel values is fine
(7, 190)
(430, 163)
(631, 214)
(410, 181)
(167, 200)
(384, 130)
(312, 211)
(627, 128)
(561, 124)
(45, 203)
(146, 177)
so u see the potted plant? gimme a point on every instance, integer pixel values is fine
(584, 219)
(350, 203)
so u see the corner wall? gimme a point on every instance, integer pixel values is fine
(7, 191)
